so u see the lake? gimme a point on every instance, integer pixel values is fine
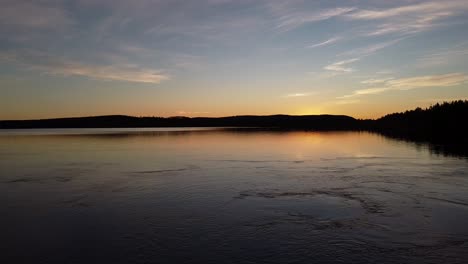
(192, 195)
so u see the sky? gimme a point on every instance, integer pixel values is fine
(62, 58)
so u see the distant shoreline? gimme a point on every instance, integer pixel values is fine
(443, 123)
(122, 121)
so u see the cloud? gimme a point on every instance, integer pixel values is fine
(419, 9)
(403, 84)
(365, 92)
(145, 32)
(376, 81)
(404, 19)
(406, 26)
(130, 73)
(410, 19)
(298, 95)
(296, 19)
(340, 66)
(324, 43)
(442, 80)
(61, 66)
(371, 49)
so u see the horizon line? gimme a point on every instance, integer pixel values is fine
(214, 117)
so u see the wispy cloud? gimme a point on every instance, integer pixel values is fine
(365, 92)
(130, 73)
(410, 19)
(443, 80)
(420, 8)
(142, 39)
(376, 81)
(298, 95)
(61, 66)
(296, 18)
(341, 66)
(406, 26)
(324, 43)
(370, 49)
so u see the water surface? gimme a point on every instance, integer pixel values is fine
(228, 196)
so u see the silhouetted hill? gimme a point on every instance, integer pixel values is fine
(319, 122)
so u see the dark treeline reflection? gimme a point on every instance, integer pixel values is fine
(454, 149)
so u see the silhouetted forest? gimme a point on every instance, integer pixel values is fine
(444, 123)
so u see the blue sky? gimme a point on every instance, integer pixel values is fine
(225, 57)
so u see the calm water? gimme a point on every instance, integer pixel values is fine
(221, 196)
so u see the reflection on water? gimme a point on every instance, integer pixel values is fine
(228, 196)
